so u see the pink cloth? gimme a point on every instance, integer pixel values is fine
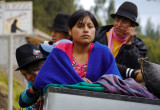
(81, 69)
(112, 36)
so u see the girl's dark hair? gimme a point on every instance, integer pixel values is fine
(79, 16)
(33, 66)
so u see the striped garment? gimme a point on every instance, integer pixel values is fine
(28, 99)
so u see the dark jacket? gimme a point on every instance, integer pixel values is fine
(128, 55)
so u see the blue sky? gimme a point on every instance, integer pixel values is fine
(146, 9)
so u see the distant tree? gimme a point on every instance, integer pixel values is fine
(99, 5)
(99, 11)
(138, 29)
(78, 5)
(110, 11)
(153, 47)
(43, 15)
(149, 30)
(157, 33)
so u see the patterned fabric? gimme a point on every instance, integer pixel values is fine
(80, 69)
(58, 68)
(29, 85)
(27, 99)
(113, 84)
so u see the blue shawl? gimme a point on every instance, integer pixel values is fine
(58, 68)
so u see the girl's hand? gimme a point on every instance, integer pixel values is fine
(38, 102)
(86, 80)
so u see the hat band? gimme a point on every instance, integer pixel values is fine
(30, 60)
(39, 56)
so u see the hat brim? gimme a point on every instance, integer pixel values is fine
(58, 29)
(114, 15)
(46, 49)
(29, 62)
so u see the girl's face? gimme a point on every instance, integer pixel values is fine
(83, 32)
(30, 76)
(57, 35)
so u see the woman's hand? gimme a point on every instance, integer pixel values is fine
(139, 77)
(86, 80)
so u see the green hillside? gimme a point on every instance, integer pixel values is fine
(18, 87)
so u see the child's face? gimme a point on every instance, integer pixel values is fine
(57, 35)
(29, 76)
(83, 32)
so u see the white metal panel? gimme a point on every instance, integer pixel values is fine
(4, 55)
(57, 101)
(58, 98)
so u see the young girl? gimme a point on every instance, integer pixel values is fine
(29, 60)
(80, 61)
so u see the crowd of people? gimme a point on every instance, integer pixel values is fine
(81, 51)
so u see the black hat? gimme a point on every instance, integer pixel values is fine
(127, 10)
(60, 22)
(26, 54)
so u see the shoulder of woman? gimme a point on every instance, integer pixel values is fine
(101, 46)
(63, 45)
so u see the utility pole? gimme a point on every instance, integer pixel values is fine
(10, 75)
